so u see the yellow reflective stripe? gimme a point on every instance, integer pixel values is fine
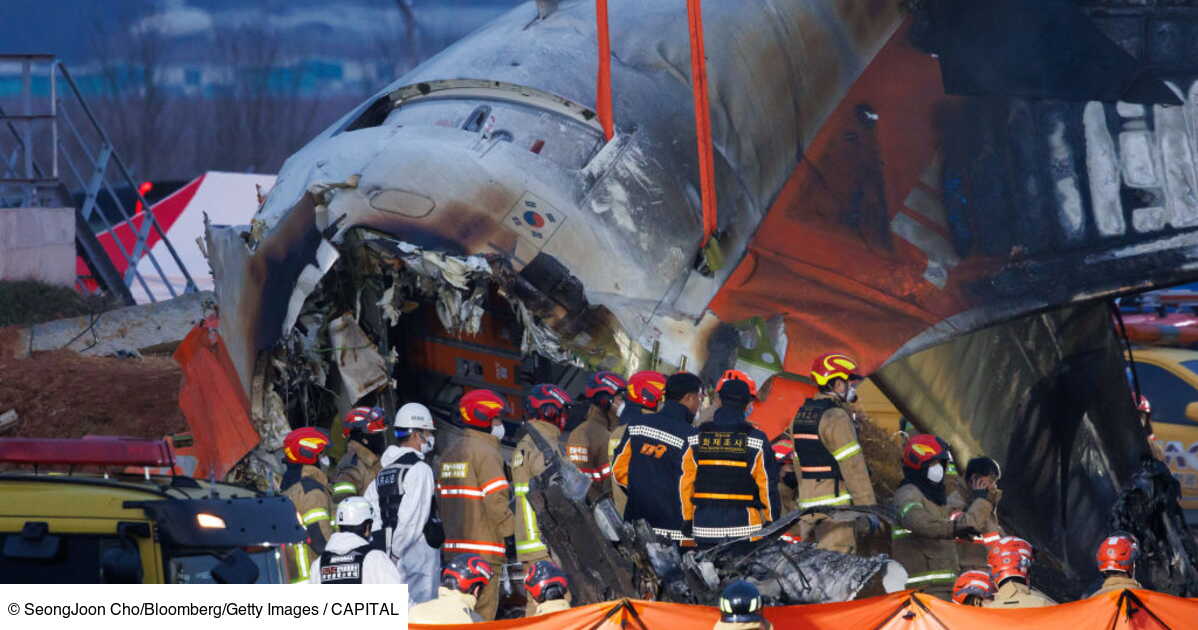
(931, 576)
(521, 488)
(907, 508)
(827, 499)
(727, 497)
(722, 462)
(846, 451)
(345, 487)
(900, 533)
(532, 536)
(302, 564)
(315, 514)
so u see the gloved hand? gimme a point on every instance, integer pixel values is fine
(960, 530)
(688, 529)
(509, 546)
(867, 525)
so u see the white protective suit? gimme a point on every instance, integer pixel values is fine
(419, 565)
(376, 567)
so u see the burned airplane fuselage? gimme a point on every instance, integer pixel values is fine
(861, 209)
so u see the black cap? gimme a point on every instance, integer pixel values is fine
(735, 393)
(982, 466)
(681, 384)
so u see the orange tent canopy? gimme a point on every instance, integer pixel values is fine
(1139, 610)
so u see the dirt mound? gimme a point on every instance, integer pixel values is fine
(62, 394)
(883, 456)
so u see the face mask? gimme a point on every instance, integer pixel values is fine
(619, 406)
(498, 431)
(936, 473)
(427, 446)
(749, 410)
(850, 395)
(324, 461)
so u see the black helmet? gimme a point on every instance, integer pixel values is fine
(740, 602)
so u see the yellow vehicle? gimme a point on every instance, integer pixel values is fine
(120, 524)
(1169, 379)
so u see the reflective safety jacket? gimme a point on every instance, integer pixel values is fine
(308, 488)
(349, 559)
(1013, 594)
(527, 462)
(474, 497)
(587, 446)
(648, 467)
(972, 553)
(828, 458)
(924, 543)
(450, 607)
(1117, 583)
(630, 412)
(727, 488)
(355, 470)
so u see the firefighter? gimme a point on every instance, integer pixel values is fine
(644, 394)
(474, 494)
(923, 542)
(305, 483)
(788, 485)
(1010, 561)
(1144, 413)
(707, 413)
(740, 608)
(363, 429)
(402, 495)
(545, 407)
(587, 445)
(831, 465)
(464, 577)
(648, 461)
(728, 488)
(349, 558)
(1117, 555)
(546, 584)
(981, 476)
(973, 588)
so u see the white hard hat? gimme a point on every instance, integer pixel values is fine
(354, 511)
(414, 416)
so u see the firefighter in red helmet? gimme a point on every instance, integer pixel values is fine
(474, 495)
(544, 408)
(587, 444)
(305, 483)
(1116, 557)
(463, 579)
(547, 586)
(1010, 562)
(363, 429)
(923, 540)
(830, 464)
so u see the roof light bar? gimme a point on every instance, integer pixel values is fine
(89, 451)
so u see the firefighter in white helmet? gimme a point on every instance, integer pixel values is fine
(348, 557)
(402, 494)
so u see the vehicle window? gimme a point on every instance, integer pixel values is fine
(197, 568)
(77, 561)
(1167, 392)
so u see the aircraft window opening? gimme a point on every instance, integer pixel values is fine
(477, 119)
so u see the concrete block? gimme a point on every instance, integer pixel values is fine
(157, 327)
(38, 244)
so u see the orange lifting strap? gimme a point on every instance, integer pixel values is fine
(603, 87)
(694, 11)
